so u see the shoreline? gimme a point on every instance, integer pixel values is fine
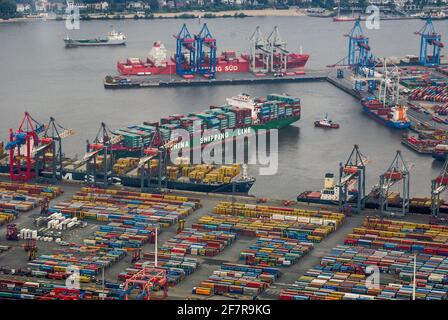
(193, 14)
(292, 12)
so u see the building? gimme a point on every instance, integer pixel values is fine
(41, 5)
(137, 5)
(23, 7)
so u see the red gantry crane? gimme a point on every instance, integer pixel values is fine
(22, 143)
(147, 281)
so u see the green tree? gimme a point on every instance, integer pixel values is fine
(154, 4)
(7, 9)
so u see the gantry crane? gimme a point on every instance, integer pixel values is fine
(278, 52)
(360, 58)
(185, 52)
(147, 281)
(350, 173)
(397, 172)
(259, 52)
(21, 146)
(389, 88)
(438, 186)
(430, 44)
(206, 59)
(51, 142)
(102, 144)
(158, 150)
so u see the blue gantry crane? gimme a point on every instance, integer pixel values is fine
(185, 52)
(360, 57)
(206, 53)
(430, 44)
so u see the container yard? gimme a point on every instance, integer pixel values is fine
(124, 221)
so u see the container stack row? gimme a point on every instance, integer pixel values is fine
(44, 290)
(32, 189)
(196, 242)
(326, 218)
(255, 227)
(88, 260)
(386, 246)
(435, 93)
(124, 236)
(275, 252)
(237, 280)
(402, 236)
(6, 215)
(127, 208)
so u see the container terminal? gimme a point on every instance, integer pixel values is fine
(95, 238)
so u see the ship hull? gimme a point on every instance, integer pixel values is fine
(72, 43)
(388, 123)
(439, 156)
(242, 187)
(239, 65)
(223, 136)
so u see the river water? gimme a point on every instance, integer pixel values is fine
(39, 75)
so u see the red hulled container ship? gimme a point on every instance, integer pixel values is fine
(159, 62)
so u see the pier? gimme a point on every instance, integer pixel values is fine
(221, 79)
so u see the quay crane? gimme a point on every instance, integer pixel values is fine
(22, 143)
(185, 52)
(206, 53)
(353, 171)
(397, 172)
(438, 186)
(103, 143)
(430, 44)
(359, 58)
(157, 150)
(259, 50)
(51, 142)
(278, 52)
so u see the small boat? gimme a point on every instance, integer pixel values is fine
(113, 38)
(326, 123)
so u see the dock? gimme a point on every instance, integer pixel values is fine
(221, 79)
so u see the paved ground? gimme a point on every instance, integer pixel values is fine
(17, 258)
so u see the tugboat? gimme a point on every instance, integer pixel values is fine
(326, 123)
(114, 38)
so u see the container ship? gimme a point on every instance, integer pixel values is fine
(330, 194)
(159, 62)
(114, 38)
(242, 115)
(393, 117)
(440, 152)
